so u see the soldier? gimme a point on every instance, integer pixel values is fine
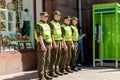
(67, 45)
(56, 42)
(75, 41)
(43, 37)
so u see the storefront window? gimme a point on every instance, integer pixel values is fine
(16, 24)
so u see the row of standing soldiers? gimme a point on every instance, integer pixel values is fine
(56, 45)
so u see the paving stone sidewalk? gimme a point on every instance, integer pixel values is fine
(87, 73)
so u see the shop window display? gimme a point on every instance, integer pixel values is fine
(25, 23)
(2, 3)
(14, 28)
(28, 45)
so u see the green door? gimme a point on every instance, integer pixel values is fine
(109, 32)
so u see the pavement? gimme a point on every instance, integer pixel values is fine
(87, 73)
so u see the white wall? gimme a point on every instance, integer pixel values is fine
(38, 9)
(28, 4)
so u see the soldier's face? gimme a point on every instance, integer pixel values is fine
(74, 22)
(44, 18)
(67, 21)
(57, 17)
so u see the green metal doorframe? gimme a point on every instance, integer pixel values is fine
(101, 9)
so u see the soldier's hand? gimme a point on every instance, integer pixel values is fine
(65, 48)
(55, 46)
(51, 46)
(43, 48)
(73, 46)
(62, 45)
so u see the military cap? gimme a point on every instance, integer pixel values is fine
(44, 14)
(56, 12)
(67, 17)
(74, 18)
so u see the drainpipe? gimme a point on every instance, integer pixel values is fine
(79, 12)
(43, 7)
(79, 7)
(34, 12)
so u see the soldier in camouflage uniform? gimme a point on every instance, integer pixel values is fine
(67, 45)
(56, 42)
(43, 37)
(75, 41)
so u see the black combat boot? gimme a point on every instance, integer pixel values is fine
(57, 71)
(68, 70)
(63, 71)
(74, 68)
(53, 74)
(41, 77)
(47, 77)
